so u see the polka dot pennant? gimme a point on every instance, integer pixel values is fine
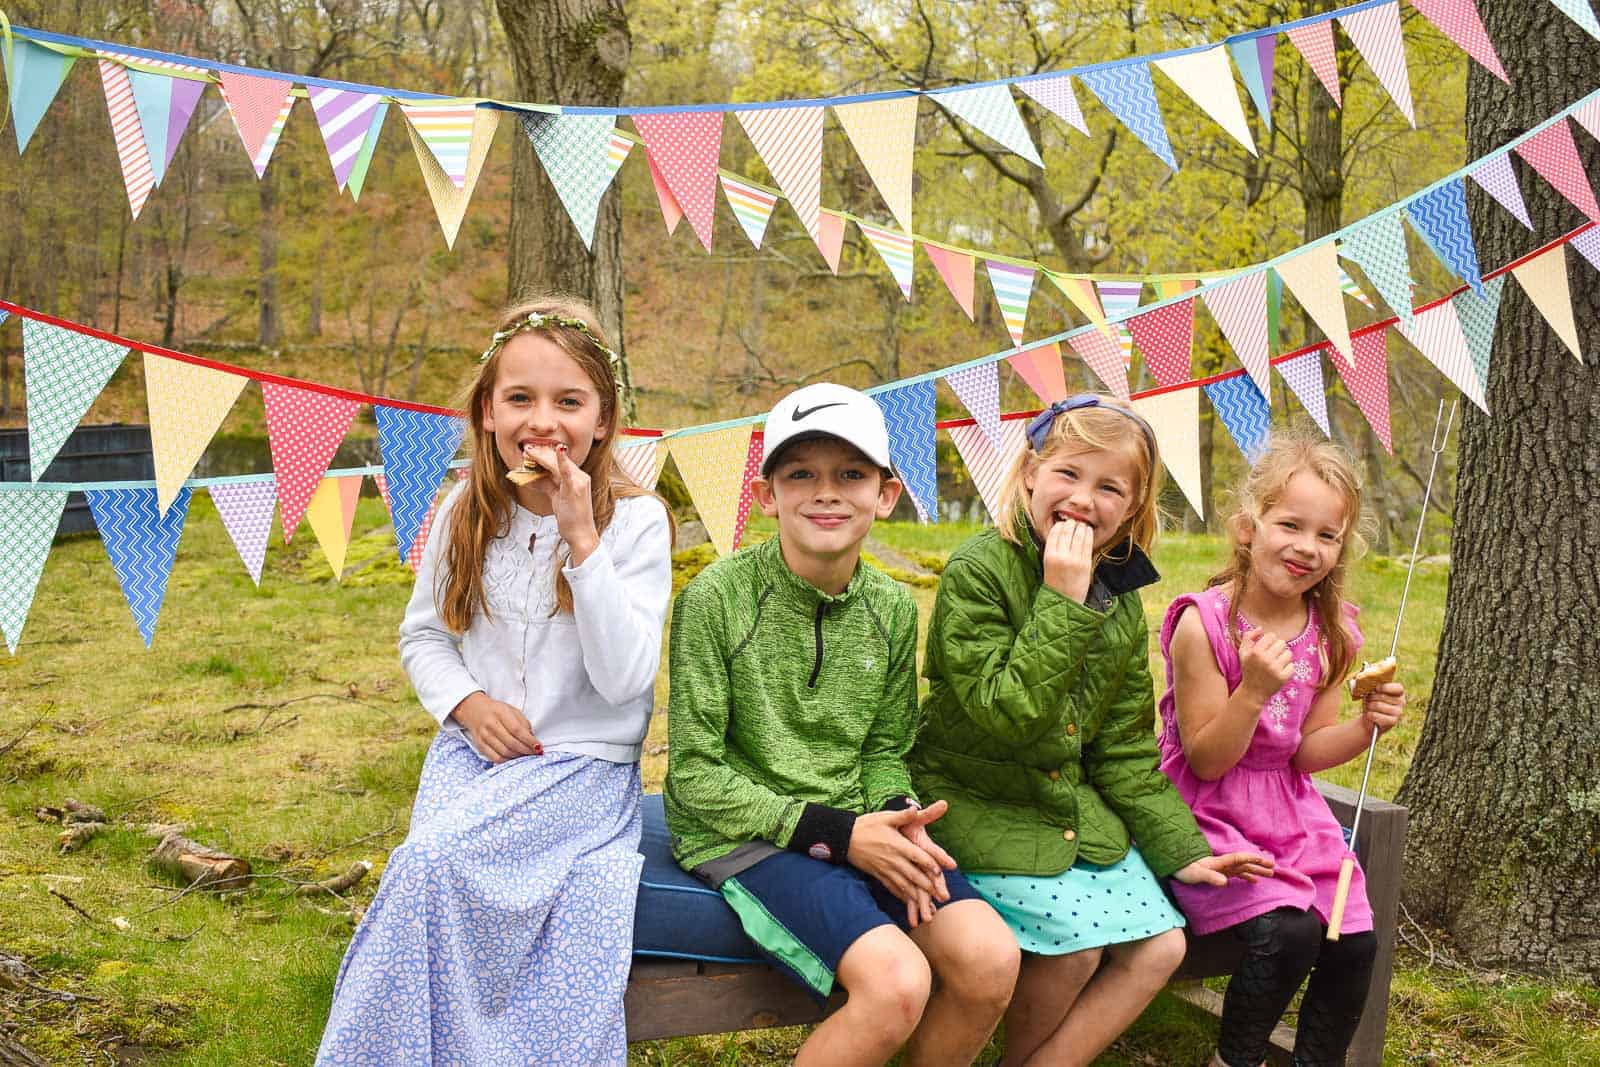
(1165, 337)
(304, 428)
(1554, 154)
(1315, 42)
(1367, 379)
(1459, 21)
(684, 146)
(712, 465)
(752, 467)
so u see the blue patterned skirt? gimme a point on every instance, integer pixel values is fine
(502, 930)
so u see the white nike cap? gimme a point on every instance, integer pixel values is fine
(827, 410)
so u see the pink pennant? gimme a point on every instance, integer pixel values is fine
(1368, 380)
(1315, 42)
(752, 467)
(1104, 357)
(1437, 334)
(1459, 21)
(670, 211)
(987, 465)
(957, 269)
(830, 239)
(1554, 154)
(132, 150)
(1041, 368)
(304, 429)
(685, 146)
(639, 463)
(255, 104)
(1587, 115)
(1165, 337)
(1376, 33)
(1240, 308)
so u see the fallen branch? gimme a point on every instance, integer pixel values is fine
(363, 839)
(15, 1055)
(119, 925)
(337, 885)
(199, 865)
(79, 812)
(77, 834)
(279, 705)
(15, 741)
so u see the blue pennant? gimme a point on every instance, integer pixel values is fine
(142, 544)
(416, 447)
(1440, 217)
(908, 412)
(1244, 412)
(1128, 93)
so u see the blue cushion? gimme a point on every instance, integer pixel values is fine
(677, 915)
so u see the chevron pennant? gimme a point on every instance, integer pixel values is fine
(304, 428)
(1459, 21)
(978, 388)
(1104, 357)
(416, 447)
(344, 117)
(33, 74)
(1440, 217)
(420, 543)
(895, 250)
(908, 412)
(1244, 412)
(1315, 43)
(641, 461)
(1304, 376)
(28, 522)
(1013, 287)
(260, 109)
(1055, 93)
(752, 206)
(1544, 279)
(1367, 379)
(1554, 155)
(1240, 309)
(1041, 367)
(1128, 93)
(789, 141)
(246, 510)
(883, 133)
(988, 465)
(63, 372)
(1256, 57)
(142, 544)
(447, 131)
(1378, 247)
(958, 271)
(1376, 34)
(1208, 80)
(1120, 298)
(1478, 316)
(1175, 419)
(138, 176)
(1496, 178)
(990, 109)
(1437, 334)
(1165, 337)
(684, 146)
(576, 152)
(330, 513)
(187, 403)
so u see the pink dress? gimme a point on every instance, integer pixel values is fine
(1263, 804)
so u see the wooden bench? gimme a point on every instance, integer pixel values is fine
(669, 998)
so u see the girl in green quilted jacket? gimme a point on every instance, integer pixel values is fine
(1038, 729)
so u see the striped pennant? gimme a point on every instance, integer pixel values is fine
(246, 509)
(1240, 309)
(884, 134)
(641, 461)
(1208, 80)
(369, 145)
(1041, 367)
(1304, 377)
(831, 239)
(1315, 43)
(684, 146)
(1165, 336)
(128, 133)
(789, 142)
(344, 118)
(1348, 286)
(1378, 247)
(752, 467)
(1478, 316)
(1128, 93)
(416, 447)
(1313, 277)
(575, 151)
(1459, 21)
(447, 131)
(1495, 177)
(751, 206)
(1104, 357)
(958, 271)
(987, 464)
(1367, 379)
(617, 154)
(1544, 279)
(990, 109)
(449, 202)
(1055, 93)
(1580, 12)
(164, 103)
(142, 543)
(1081, 292)
(260, 108)
(1376, 34)
(1255, 57)
(1013, 286)
(62, 371)
(895, 248)
(978, 389)
(1244, 412)
(1440, 218)
(304, 429)
(28, 522)
(1120, 300)
(1437, 334)
(33, 76)
(1554, 155)
(1174, 417)
(908, 412)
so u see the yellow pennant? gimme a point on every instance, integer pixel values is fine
(712, 466)
(1175, 418)
(331, 513)
(450, 202)
(187, 403)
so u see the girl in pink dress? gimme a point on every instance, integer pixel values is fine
(1250, 713)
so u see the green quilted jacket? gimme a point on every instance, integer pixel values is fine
(1039, 726)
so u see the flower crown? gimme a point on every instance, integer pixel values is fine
(540, 320)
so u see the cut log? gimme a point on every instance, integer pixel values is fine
(196, 864)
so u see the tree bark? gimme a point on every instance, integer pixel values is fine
(269, 331)
(1504, 789)
(572, 52)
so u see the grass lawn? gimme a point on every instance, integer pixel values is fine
(276, 723)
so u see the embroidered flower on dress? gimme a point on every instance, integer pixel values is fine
(1302, 670)
(1277, 710)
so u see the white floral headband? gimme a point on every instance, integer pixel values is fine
(540, 320)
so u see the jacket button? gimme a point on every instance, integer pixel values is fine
(1072, 728)
(1069, 835)
(1055, 776)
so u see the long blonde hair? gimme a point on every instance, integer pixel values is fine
(486, 505)
(1290, 453)
(1107, 427)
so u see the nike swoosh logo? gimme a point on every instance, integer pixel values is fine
(801, 413)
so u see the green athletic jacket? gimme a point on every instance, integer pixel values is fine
(1039, 726)
(785, 699)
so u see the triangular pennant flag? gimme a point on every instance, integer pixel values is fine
(1478, 316)
(884, 133)
(1240, 309)
(1375, 32)
(1580, 12)
(1348, 286)
(450, 201)
(413, 558)
(830, 239)
(63, 372)
(1255, 57)
(28, 521)
(369, 145)
(1104, 357)
(304, 428)
(957, 269)
(1315, 42)
(752, 467)
(575, 151)
(1165, 336)
(1013, 286)
(895, 250)
(789, 142)
(186, 93)
(1440, 217)
(260, 108)
(1544, 279)
(1120, 299)
(1244, 412)
(1055, 93)
(447, 130)
(1208, 80)
(142, 544)
(1436, 332)
(1367, 379)
(671, 212)
(1304, 375)
(187, 402)
(127, 132)
(1081, 292)
(416, 447)
(751, 205)
(713, 468)
(908, 412)
(1042, 369)
(1587, 243)
(1495, 176)
(344, 117)
(991, 109)
(34, 73)
(1459, 21)
(246, 511)
(1554, 155)
(641, 461)
(988, 465)
(165, 104)
(1587, 115)
(1378, 247)
(1313, 277)
(330, 513)
(1127, 92)
(978, 389)
(1175, 418)
(684, 146)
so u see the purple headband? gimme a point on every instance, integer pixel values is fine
(1039, 426)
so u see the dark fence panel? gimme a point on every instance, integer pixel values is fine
(110, 453)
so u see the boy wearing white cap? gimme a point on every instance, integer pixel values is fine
(793, 704)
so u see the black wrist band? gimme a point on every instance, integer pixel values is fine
(823, 833)
(900, 803)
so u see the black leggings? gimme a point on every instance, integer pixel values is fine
(1281, 948)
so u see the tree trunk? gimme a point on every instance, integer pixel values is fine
(1504, 789)
(269, 331)
(572, 52)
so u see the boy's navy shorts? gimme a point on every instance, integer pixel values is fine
(804, 913)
